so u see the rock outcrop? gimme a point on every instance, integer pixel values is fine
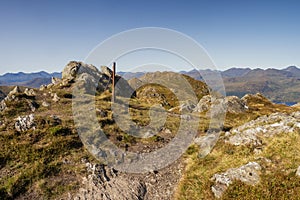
(106, 183)
(29, 92)
(12, 94)
(89, 78)
(265, 126)
(24, 123)
(248, 174)
(103, 182)
(233, 104)
(256, 99)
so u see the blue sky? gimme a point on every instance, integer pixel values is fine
(44, 35)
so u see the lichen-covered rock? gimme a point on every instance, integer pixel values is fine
(265, 126)
(24, 123)
(248, 174)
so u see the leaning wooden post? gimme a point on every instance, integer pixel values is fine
(113, 81)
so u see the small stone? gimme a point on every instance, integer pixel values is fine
(45, 104)
(298, 172)
(55, 98)
(43, 87)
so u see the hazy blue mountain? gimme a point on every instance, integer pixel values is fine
(130, 75)
(28, 79)
(294, 70)
(235, 72)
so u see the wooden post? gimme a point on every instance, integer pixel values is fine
(113, 81)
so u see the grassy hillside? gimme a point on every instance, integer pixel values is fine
(46, 161)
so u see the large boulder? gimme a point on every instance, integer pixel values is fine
(235, 104)
(74, 68)
(90, 79)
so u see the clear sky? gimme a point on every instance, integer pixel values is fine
(44, 35)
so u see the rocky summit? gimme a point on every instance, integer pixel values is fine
(255, 154)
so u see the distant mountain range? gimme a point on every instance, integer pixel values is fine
(281, 86)
(33, 80)
(278, 85)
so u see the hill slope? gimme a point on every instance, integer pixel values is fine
(43, 157)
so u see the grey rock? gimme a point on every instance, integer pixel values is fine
(232, 104)
(89, 79)
(235, 104)
(101, 113)
(73, 69)
(187, 106)
(105, 183)
(24, 123)
(105, 70)
(206, 143)
(248, 174)
(204, 104)
(29, 92)
(2, 106)
(265, 126)
(32, 105)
